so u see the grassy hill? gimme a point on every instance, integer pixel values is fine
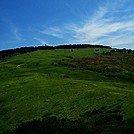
(69, 90)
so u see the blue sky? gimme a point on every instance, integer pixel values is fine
(54, 22)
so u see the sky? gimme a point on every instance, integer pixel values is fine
(55, 22)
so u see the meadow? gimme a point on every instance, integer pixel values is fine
(67, 90)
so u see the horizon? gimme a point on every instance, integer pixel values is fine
(28, 23)
(65, 45)
(56, 45)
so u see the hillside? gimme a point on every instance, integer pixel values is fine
(74, 90)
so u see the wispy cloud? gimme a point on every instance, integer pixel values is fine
(41, 41)
(111, 24)
(105, 30)
(14, 33)
(53, 31)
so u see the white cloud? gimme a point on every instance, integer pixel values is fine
(41, 41)
(112, 24)
(16, 34)
(105, 30)
(15, 37)
(53, 31)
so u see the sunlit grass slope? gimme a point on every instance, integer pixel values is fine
(49, 81)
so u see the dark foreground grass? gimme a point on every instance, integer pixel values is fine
(78, 99)
(111, 122)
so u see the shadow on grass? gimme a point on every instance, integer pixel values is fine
(92, 122)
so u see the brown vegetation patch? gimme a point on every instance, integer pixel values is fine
(116, 65)
(120, 61)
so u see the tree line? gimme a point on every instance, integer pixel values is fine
(22, 50)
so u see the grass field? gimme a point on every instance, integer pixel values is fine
(74, 85)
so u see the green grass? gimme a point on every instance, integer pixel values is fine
(49, 81)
